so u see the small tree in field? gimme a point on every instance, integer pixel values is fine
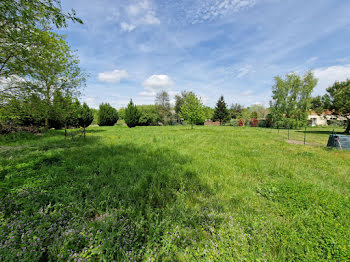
(221, 113)
(192, 109)
(131, 115)
(107, 115)
(85, 116)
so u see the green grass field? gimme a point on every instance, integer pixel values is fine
(174, 194)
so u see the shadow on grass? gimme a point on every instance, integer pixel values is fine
(319, 132)
(69, 188)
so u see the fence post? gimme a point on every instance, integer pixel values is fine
(305, 136)
(288, 132)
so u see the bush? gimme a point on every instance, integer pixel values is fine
(7, 129)
(131, 115)
(254, 122)
(289, 123)
(86, 116)
(336, 123)
(234, 122)
(107, 115)
(149, 115)
(264, 123)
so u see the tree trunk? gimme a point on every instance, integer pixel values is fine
(48, 107)
(347, 130)
(46, 123)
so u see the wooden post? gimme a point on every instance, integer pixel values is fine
(305, 136)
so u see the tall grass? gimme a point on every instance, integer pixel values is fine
(173, 194)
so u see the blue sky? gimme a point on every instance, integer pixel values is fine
(133, 49)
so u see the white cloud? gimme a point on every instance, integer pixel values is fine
(113, 76)
(328, 75)
(244, 71)
(140, 13)
(247, 93)
(156, 83)
(91, 101)
(211, 9)
(312, 60)
(127, 27)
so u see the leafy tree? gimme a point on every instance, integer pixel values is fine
(192, 110)
(221, 113)
(56, 69)
(244, 116)
(338, 101)
(208, 112)
(260, 110)
(131, 115)
(236, 110)
(317, 104)
(179, 100)
(149, 115)
(291, 98)
(254, 115)
(107, 115)
(23, 26)
(163, 105)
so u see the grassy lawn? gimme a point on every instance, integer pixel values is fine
(174, 194)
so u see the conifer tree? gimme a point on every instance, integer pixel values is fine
(221, 112)
(107, 115)
(131, 115)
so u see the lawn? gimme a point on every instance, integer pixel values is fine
(174, 194)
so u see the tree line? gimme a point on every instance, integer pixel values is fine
(40, 81)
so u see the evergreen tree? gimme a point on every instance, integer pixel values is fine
(86, 116)
(221, 113)
(131, 115)
(107, 115)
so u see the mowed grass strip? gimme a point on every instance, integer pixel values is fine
(173, 194)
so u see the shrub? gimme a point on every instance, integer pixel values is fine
(289, 123)
(85, 117)
(338, 123)
(149, 115)
(254, 122)
(234, 122)
(241, 122)
(107, 115)
(254, 115)
(131, 115)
